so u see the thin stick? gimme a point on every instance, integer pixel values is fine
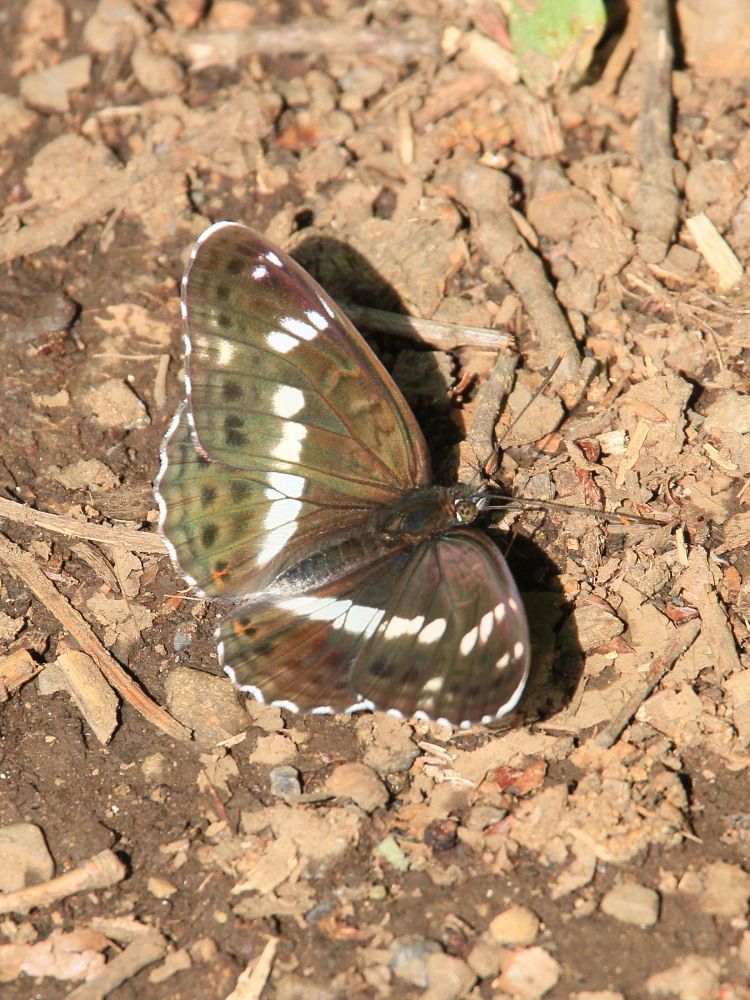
(24, 567)
(442, 336)
(136, 541)
(657, 201)
(682, 639)
(142, 951)
(481, 437)
(100, 872)
(253, 979)
(486, 195)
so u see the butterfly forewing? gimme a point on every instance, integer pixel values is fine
(230, 531)
(303, 428)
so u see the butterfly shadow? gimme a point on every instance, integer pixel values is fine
(417, 368)
(557, 658)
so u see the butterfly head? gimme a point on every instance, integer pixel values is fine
(465, 508)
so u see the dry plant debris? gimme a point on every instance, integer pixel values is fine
(596, 846)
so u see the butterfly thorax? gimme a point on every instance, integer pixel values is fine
(419, 515)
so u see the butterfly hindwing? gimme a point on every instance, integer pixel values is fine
(453, 643)
(438, 631)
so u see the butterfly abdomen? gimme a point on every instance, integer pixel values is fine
(393, 528)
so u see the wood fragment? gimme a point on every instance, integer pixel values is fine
(657, 202)
(143, 951)
(252, 981)
(699, 588)
(94, 697)
(15, 670)
(492, 395)
(441, 336)
(679, 643)
(717, 253)
(148, 542)
(25, 568)
(415, 38)
(485, 193)
(100, 872)
(637, 440)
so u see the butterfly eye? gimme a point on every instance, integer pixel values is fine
(465, 510)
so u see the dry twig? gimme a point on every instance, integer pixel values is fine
(657, 201)
(485, 193)
(143, 951)
(24, 567)
(100, 872)
(681, 641)
(147, 542)
(441, 336)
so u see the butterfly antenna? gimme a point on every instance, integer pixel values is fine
(492, 459)
(616, 517)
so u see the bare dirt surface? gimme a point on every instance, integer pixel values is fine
(595, 845)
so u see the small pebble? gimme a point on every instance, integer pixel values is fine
(160, 888)
(449, 978)
(730, 412)
(360, 784)
(695, 978)
(409, 957)
(284, 781)
(516, 925)
(529, 973)
(486, 957)
(632, 904)
(155, 768)
(207, 704)
(114, 404)
(24, 857)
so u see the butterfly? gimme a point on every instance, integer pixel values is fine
(295, 489)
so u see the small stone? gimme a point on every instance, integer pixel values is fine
(48, 89)
(85, 474)
(387, 743)
(113, 27)
(390, 851)
(360, 784)
(284, 781)
(114, 404)
(409, 957)
(156, 72)
(726, 890)
(730, 412)
(695, 978)
(160, 888)
(24, 857)
(155, 768)
(441, 834)
(486, 957)
(449, 978)
(529, 973)
(204, 951)
(207, 704)
(516, 925)
(597, 995)
(632, 904)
